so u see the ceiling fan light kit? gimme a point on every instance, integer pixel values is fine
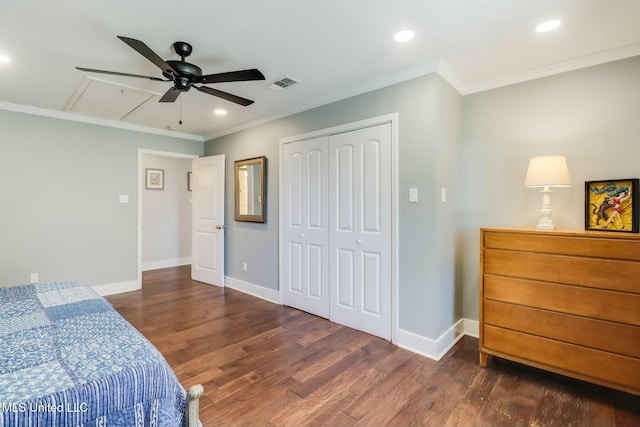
(184, 74)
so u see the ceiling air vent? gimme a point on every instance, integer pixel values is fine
(283, 83)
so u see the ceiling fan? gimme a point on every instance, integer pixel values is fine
(183, 74)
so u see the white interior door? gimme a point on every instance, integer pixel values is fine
(207, 230)
(360, 229)
(305, 276)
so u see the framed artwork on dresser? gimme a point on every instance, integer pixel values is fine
(612, 205)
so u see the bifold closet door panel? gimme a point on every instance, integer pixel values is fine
(306, 226)
(360, 229)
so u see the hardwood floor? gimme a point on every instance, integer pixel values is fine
(262, 364)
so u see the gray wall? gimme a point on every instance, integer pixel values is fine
(444, 293)
(591, 116)
(429, 113)
(166, 215)
(478, 148)
(60, 181)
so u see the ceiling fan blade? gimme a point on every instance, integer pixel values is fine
(146, 51)
(232, 76)
(171, 95)
(225, 95)
(116, 73)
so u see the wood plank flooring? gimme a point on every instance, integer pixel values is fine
(262, 364)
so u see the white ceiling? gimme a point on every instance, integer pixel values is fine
(337, 48)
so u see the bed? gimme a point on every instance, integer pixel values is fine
(67, 358)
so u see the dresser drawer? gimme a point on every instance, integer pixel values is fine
(611, 247)
(581, 362)
(596, 303)
(598, 334)
(592, 272)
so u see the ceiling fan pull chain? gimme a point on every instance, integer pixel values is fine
(180, 122)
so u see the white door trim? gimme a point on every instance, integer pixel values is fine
(141, 153)
(391, 118)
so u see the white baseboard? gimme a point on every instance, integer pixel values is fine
(117, 288)
(471, 328)
(252, 289)
(165, 263)
(435, 349)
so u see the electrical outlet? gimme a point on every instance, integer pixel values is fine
(34, 278)
(244, 266)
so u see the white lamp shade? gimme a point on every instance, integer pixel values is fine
(547, 171)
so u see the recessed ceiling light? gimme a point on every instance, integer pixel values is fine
(4, 58)
(549, 25)
(219, 112)
(404, 36)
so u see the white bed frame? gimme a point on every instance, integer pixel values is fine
(193, 406)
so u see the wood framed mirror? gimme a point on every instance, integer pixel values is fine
(249, 189)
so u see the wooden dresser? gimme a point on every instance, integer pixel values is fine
(564, 301)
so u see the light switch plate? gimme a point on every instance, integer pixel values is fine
(413, 195)
(123, 198)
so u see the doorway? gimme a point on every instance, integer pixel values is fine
(174, 181)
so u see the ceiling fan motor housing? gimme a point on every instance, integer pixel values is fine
(186, 73)
(185, 69)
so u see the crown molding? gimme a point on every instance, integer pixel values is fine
(63, 115)
(447, 72)
(561, 67)
(338, 95)
(442, 67)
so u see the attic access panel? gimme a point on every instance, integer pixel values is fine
(106, 99)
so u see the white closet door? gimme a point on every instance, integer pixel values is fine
(360, 229)
(305, 253)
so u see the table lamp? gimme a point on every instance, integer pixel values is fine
(546, 172)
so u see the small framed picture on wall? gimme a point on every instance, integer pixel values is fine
(612, 205)
(154, 179)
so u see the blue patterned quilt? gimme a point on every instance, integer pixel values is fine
(67, 358)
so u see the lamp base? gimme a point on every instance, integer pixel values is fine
(545, 222)
(548, 227)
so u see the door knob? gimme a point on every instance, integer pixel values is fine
(302, 236)
(221, 227)
(358, 241)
